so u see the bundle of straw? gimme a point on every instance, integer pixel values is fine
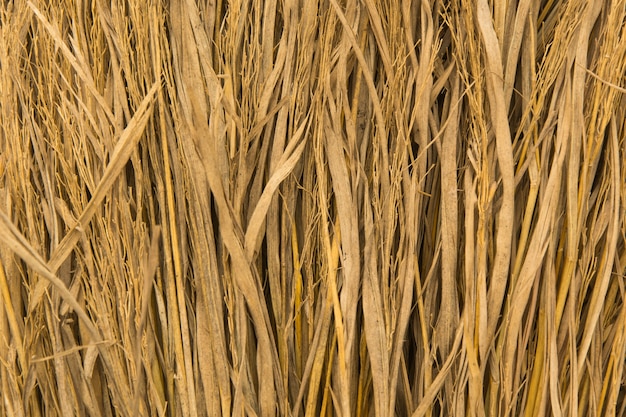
(312, 208)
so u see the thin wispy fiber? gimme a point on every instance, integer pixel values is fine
(312, 208)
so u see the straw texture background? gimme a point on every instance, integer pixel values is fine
(312, 208)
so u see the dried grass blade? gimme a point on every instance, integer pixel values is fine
(376, 336)
(605, 268)
(121, 153)
(17, 243)
(449, 311)
(504, 149)
(429, 396)
(285, 165)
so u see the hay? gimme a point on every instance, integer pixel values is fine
(312, 208)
